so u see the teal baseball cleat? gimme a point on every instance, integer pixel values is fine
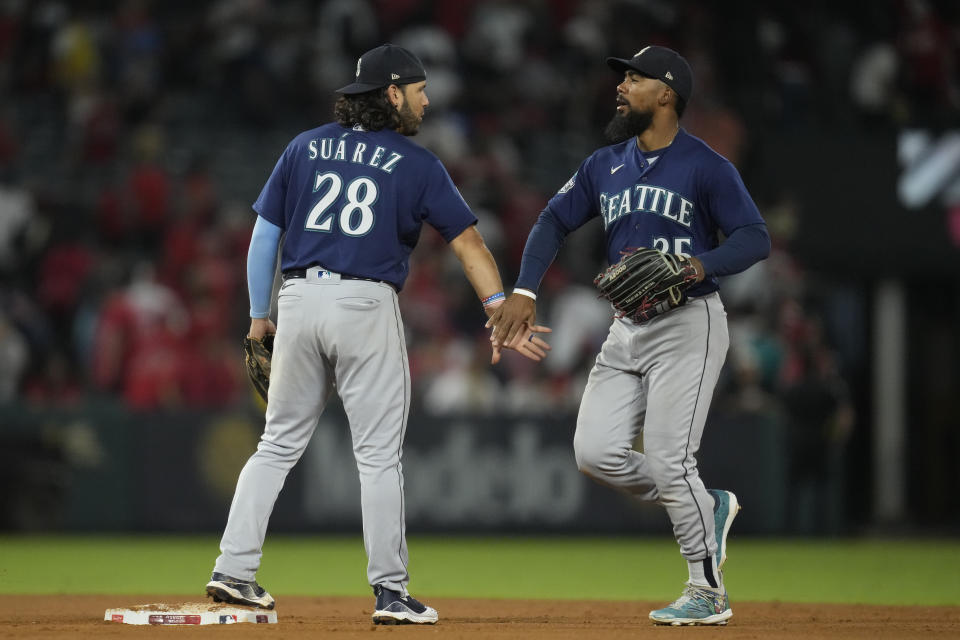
(725, 509)
(696, 606)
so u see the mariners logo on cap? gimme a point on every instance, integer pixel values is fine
(359, 60)
(640, 53)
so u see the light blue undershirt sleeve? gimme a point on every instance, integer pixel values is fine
(261, 261)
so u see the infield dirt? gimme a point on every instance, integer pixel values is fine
(339, 617)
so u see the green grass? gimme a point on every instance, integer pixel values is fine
(887, 572)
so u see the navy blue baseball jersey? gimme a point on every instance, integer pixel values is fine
(674, 199)
(354, 201)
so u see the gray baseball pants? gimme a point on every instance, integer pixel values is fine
(657, 379)
(331, 334)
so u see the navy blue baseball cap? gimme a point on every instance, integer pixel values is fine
(383, 66)
(661, 63)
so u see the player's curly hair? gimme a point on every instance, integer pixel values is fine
(371, 110)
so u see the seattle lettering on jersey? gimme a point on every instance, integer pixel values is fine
(645, 199)
(346, 150)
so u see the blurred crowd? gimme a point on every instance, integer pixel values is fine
(135, 135)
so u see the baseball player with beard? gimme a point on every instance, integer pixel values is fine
(350, 198)
(659, 187)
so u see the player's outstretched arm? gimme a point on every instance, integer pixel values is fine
(481, 270)
(478, 264)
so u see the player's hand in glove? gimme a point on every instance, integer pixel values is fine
(648, 282)
(258, 353)
(260, 327)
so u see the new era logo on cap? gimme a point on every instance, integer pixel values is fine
(394, 76)
(668, 76)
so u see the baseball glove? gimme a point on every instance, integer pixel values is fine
(646, 283)
(257, 355)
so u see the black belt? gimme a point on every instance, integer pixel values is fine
(302, 273)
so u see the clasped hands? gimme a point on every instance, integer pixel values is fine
(513, 326)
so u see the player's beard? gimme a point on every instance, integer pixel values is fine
(409, 121)
(631, 124)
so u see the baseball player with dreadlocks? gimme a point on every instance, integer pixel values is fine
(664, 197)
(351, 197)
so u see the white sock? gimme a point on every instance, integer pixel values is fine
(704, 573)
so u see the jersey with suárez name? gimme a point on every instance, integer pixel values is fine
(354, 201)
(677, 204)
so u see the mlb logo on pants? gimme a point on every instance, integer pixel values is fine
(228, 619)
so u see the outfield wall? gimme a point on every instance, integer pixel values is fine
(102, 468)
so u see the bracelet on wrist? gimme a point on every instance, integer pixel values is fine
(526, 292)
(495, 298)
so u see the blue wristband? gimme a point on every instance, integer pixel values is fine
(493, 299)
